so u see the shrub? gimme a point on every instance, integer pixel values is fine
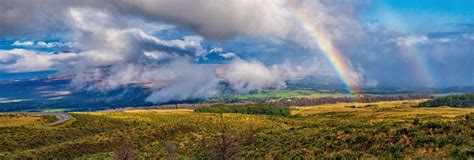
(466, 100)
(259, 109)
(432, 125)
(416, 121)
(463, 153)
(124, 151)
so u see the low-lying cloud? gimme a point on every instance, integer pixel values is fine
(245, 76)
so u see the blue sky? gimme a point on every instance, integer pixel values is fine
(437, 19)
(421, 15)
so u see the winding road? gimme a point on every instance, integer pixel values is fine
(63, 117)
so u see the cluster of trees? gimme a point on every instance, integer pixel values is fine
(259, 109)
(466, 100)
(362, 99)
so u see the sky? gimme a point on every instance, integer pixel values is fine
(183, 49)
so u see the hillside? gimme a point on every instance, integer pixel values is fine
(464, 101)
(349, 130)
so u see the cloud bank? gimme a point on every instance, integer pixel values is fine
(112, 44)
(114, 57)
(217, 19)
(113, 52)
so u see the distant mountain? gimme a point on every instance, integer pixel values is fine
(54, 92)
(27, 75)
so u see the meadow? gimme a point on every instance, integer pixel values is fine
(342, 130)
(16, 120)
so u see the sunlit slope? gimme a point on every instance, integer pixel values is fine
(391, 109)
(19, 120)
(384, 129)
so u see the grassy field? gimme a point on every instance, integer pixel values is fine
(396, 109)
(345, 130)
(19, 120)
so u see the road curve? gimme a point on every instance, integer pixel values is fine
(63, 117)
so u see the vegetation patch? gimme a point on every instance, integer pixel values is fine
(258, 109)
(461, 101)
(321, 132)
(10, 120)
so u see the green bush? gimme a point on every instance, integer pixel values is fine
(462, 101)
(258, 109)
(463, 153)
(416, 121)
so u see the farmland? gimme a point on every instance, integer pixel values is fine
(350, 130)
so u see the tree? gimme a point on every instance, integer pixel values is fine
(124, 150)
(225, 145)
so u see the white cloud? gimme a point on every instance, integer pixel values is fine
(25, 43)
(248, 76)
(7, 58)
(50, 44)
(420, 39)
(220, 52)
(42, 44)
(220, 18)
(21, 60)
(411, 40)
(217, 50)
(228, 55)
(245, 76)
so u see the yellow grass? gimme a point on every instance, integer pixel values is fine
(165, 111)
(20, 121)
(323, 131)
(383, 110)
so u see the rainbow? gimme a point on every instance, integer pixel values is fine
(335, 57)
(419, 65)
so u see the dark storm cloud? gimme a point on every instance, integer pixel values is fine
(218, 19)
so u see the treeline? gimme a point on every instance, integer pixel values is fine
(466, 100)
(259, 109)
(361, 99)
